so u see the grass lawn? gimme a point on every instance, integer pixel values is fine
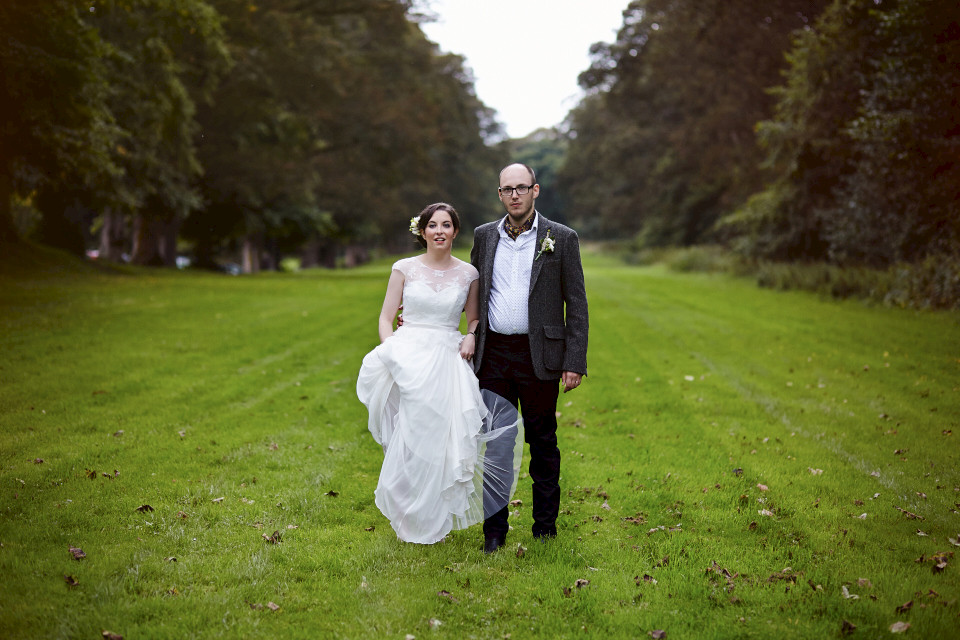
(739, 463)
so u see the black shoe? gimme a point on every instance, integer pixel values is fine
(492, 543)
(544, 538)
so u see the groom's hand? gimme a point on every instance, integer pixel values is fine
(570, 380)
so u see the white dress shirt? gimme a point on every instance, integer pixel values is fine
(508, 311)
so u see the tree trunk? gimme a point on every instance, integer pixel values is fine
(318, 253)
(356, 255)
(146, 241)
(168, 230)
(8, 233)
(251, 253)
(113, 236)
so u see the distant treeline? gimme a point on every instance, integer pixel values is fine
(262, 127)
(796, 130)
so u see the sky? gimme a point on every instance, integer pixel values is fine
(525, 54)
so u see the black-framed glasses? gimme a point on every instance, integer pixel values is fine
(520, 189)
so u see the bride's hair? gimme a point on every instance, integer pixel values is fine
(428, 212)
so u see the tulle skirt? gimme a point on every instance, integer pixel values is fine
(451, 452)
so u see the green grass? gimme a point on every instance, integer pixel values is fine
(185, 388)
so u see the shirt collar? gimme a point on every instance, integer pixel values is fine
(503, 220)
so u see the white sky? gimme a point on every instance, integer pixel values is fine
(548, 39)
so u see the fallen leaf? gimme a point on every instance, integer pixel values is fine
(521, 550)
(567, 592)
(434, 623)
(955, 541)
(763, 487)
(217, 500)
(331, 493)
(605, 506)
(922, 533)
(71, 580)
(182, 433)
(38, 461)
(183, 514)
(847, 594)
(738, 471)
(637, 519)
(657, 634)
(940, 566)
(110, 635)
(274, 539)
(899, 627)
(256, 606)
(581, 583)
(91, 473)
(765, 512)
(847, 628)
(911, 516)
(170, 559)
(865, 582)
(906, 606)
(144, 507)
(117, 434)
(78, 553)
(516, 503)
(273, 446)
(446, 594)
(296, 526)
(816, 472)
(273, 606)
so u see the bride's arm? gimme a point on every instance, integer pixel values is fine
(391, 302)
(472, 309)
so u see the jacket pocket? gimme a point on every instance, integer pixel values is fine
(554, 345)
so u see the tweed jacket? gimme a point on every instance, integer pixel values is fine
(558, 322)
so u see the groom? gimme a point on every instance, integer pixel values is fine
(532, 333)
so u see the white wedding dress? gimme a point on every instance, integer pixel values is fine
(441, 435)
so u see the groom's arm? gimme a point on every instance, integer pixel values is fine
(575, 303)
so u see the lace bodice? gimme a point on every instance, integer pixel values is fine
(432, 297)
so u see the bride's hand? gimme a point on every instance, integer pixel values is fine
(467, 346)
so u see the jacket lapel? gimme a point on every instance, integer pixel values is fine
(542, 226)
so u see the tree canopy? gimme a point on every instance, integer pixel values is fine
(269, 125)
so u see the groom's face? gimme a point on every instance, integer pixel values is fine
(519, 207)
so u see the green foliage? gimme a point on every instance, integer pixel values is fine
(192, 387)
(863, 144)
(933, 283)
(666, 143)
(273, 123)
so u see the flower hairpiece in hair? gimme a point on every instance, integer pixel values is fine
(415, 225)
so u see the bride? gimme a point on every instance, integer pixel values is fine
(440, 435)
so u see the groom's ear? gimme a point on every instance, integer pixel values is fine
(536, 191)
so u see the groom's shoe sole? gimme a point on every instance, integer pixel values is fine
(490, 545)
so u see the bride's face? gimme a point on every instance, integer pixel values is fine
(440, 231)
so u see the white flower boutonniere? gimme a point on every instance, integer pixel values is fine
(546, 246)
(415, 225)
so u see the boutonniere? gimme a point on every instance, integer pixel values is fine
(546, 246)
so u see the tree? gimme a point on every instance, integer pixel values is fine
(864, 139)
(664, 144)
(57, 128)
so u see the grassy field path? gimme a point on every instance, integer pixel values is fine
(739, 463)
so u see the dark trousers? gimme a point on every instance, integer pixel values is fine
(507, 370)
